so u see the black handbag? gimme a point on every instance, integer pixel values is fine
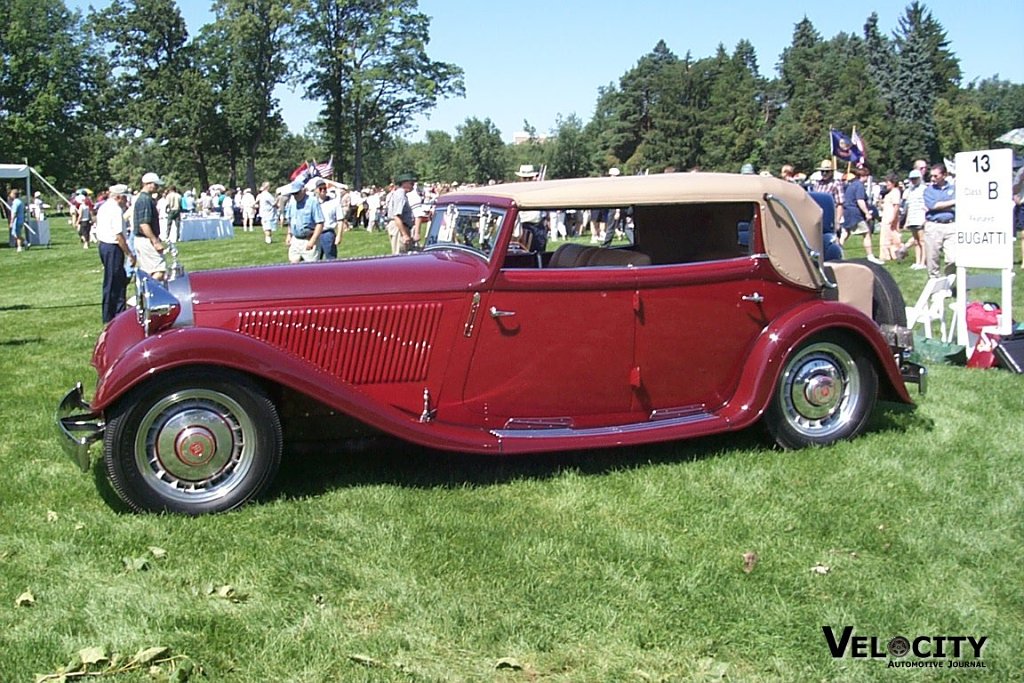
(1010, 352)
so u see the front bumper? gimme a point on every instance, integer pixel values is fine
(79, 426)
(915, 373)
(901, 341)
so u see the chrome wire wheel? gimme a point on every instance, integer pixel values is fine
(195, 445)
(826, 393)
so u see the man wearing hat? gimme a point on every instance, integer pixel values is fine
(149, 250)
(527, 172)
(305, 221)
(110, 230)
(36, 210)
(399, 213)
(829, 185)
(330, 236)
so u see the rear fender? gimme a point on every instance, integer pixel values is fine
(788, 332)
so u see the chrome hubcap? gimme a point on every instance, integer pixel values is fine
(820, 390)
(195, 445)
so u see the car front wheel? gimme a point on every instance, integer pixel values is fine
(193, 441)
(826, 392)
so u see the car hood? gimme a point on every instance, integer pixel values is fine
(433, 271)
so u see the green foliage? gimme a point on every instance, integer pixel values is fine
(734, 124)
(128, 91)
(373, 72)
(247, 44)
(571, 150)
(44, 89)
(480, 153)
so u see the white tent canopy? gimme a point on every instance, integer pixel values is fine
(25, 171)
(15, 171)
(18, 171)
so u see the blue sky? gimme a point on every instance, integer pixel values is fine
(538, 59)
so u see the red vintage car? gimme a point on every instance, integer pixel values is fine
(715, 314)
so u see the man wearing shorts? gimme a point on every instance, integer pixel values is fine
(149, 250)
(856, 214)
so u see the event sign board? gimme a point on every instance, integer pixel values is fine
(984, 209)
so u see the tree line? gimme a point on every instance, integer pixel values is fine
(103, 96)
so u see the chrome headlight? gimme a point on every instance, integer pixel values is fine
(156, 307)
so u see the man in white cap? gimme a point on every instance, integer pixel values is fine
(913, 199)
(149, 250)
(305, 221)
(36, 209)
(110, 229)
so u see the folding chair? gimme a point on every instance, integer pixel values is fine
(931, 306)
(974, 281)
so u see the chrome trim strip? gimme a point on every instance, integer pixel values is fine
(631, 428)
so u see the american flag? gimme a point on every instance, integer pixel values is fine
(311, 169)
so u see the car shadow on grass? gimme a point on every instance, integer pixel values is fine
(312, 469)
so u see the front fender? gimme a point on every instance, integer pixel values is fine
(211, 346)
(786, 333)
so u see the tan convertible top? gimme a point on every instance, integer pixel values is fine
(787, 255)
(667, 188)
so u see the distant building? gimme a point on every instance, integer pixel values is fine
(522, 137)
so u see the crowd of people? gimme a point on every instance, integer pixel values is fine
(915, 213)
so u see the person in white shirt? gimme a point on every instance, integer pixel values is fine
(110, 232)
(248, 204)
(227, 207)
(267, 206)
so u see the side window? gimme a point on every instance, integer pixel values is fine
(694, 233)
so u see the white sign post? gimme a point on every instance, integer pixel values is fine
(984, 227)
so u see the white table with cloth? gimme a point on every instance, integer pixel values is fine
(212, 228)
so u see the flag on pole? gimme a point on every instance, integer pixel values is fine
(299, 171)
(858, 143)
(843, 148)
(311, 169)
(325, 170)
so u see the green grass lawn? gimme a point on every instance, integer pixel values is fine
(380, 561)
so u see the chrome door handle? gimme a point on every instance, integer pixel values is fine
(755, 297)
(495, 313)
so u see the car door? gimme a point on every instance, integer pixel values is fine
(702, 306)
(696, 324)
(554, 348)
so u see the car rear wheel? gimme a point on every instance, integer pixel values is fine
(193, 441)
(826, 392)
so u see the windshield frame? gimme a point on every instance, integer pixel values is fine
(478, 210)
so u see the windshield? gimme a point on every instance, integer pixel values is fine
(472, 226)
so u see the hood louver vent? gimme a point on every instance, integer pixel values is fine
(359, 344)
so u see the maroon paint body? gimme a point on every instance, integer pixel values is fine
(590, 358)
